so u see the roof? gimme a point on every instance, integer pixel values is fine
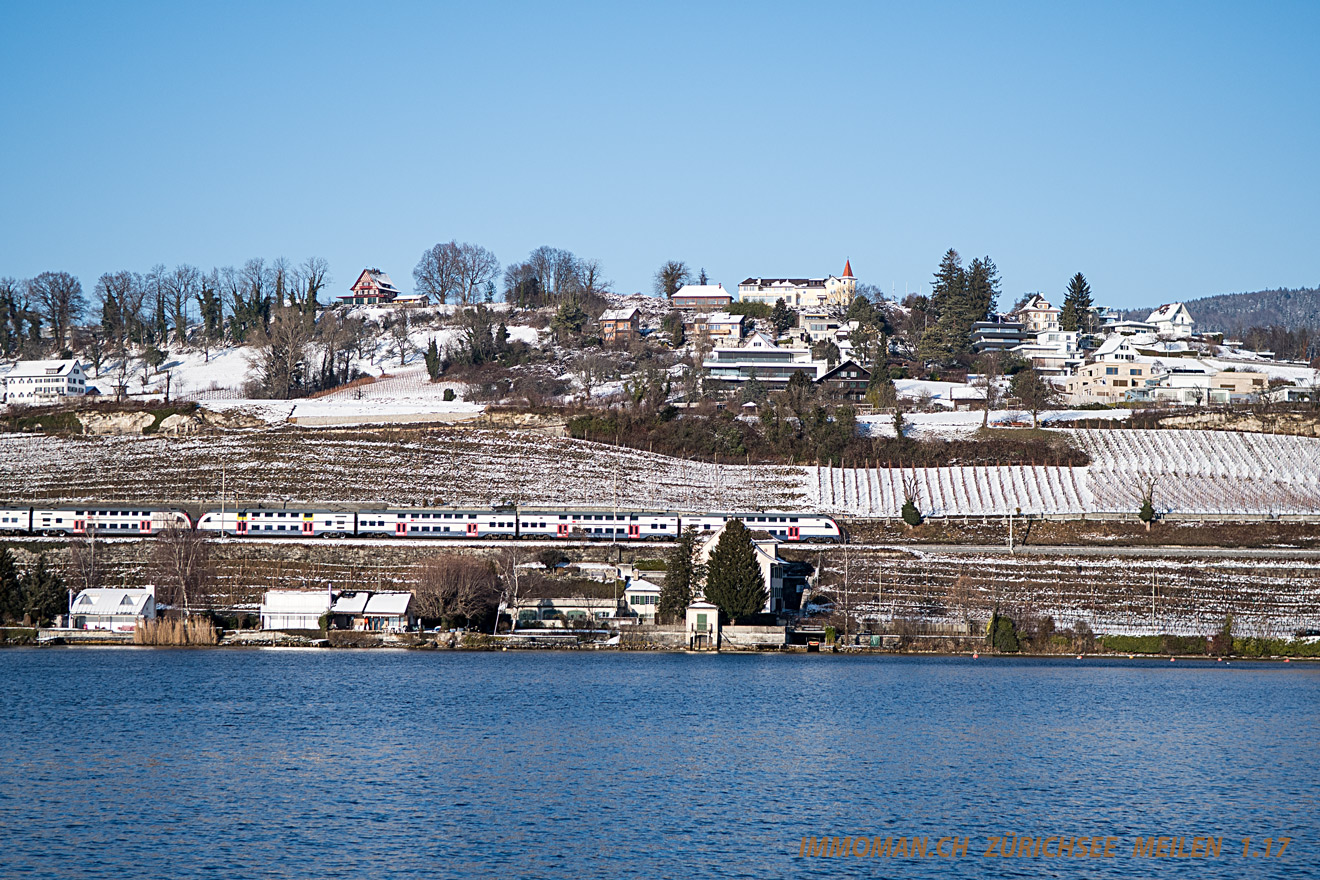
(43, 368)
(412, 296)
(1166, 312)
(1038, 303)
(619, 314)
(364, 602)
(847, 363)
(847, 269)
(375, 278)
(725, 318)
(641, 585)
(350, 603)
(700, 290)
(783, 282)
(389, 603)
(132, 603)
(295, 602)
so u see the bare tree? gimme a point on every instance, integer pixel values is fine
(315, 275)
(556, 270)
(182, 285)
(591, 278)
(119, 305)
(181, 564)
(476, 268)
(450, 586)
(60, 297)
(439, 273)
(1034, 393)
(281, 355)
(85, 560)
(512, 581)
(991, 365)
(399, 331)
(1144, 490)
(670, 277)
(591, 370)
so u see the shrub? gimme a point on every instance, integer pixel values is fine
(911, 515)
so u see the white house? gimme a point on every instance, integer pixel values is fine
(1054, 352)
(1038, 316)
(561, 611)
(799, 293)
(294, 609)
(372, 611)
(1172, 320)
(706, 297)
(759, 356)
(112, 609)
(44, 382)
(642, 598)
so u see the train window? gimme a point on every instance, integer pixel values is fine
(472, 516)
(634, 519)
(792, 519)
(563, 516)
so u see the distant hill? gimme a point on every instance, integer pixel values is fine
(1233, 313)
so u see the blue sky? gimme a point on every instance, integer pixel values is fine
(1166, 150)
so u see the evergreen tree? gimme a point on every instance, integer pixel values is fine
(733, 578)
(982, 294)
(11, 588)
(1077, 304)
(880, 390)
(947, 293)
(681, 575)
(781, 317)
(433, 360)
(44, 596)
(959, 298)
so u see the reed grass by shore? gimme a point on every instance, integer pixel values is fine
(176, 631)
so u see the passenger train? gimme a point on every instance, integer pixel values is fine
(608, 525)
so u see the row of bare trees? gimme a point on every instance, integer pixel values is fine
(158, 307)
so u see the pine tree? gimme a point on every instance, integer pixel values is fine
(44, 596)
(947, 295)
(781, 317)
(681, 574)
(1077, 304)
(733, 578)
(433, 360)
(11, 588)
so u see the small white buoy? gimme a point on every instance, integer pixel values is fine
(1079, 656)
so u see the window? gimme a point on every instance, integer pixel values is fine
(1111, 371)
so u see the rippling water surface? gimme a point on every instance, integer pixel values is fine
(244, 763)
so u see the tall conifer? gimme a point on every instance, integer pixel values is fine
(733, 578)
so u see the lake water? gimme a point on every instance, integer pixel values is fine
(251, 763)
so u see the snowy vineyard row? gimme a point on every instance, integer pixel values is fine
(1192, 472)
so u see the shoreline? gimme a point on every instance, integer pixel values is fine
(794, 650)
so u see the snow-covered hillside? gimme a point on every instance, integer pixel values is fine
(1195, 472)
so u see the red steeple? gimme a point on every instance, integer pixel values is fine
(847, 269)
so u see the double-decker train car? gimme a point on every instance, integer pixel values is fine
(437, 523)
(120, 520)
(282, 523)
